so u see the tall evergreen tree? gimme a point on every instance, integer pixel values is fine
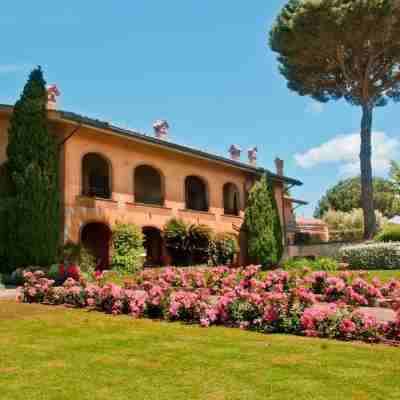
(343, 49)
(263, 225)
(33, 218)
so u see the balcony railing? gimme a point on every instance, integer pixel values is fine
(97, 191)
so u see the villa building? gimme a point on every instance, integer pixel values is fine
(110, 175)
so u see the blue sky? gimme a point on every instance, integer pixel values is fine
(204, 66)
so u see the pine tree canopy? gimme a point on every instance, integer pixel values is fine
(333, 49)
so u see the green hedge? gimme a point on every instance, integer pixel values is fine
(390, 233)
(371, 256)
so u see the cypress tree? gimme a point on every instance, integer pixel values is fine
(263, 225)
(32, 215)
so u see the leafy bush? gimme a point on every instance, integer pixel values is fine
(320, 264)
(73, 253)
(128, 248)
(348, 226)
(325, 264)
(61, 272)
(371, 256)
(224, 248)
(188, 244)
(391, 233)
(200, 240)
(176, 235)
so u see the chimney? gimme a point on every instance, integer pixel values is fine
(52, 94)
(234, 152)
(161, 129)
(279, 166)
(252, 155)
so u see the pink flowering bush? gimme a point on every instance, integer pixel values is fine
(306, 303)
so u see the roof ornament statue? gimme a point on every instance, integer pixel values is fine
(161, 127)
(234, 152)
(52, 94)
(252, 155)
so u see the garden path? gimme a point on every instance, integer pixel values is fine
(8, 294)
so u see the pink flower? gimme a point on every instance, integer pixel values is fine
(347, 326)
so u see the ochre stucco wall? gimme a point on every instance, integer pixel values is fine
(124, 155)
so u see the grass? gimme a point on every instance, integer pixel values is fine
(58, 353)
(384, 275)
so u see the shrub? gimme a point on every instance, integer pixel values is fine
(188, 244)
(73, 253)
(224, 248)
(371, 256)
(128, 248)
(320, 264)
(391, 233)
(325, 264)
(200, 240)
(348, 226)
(176, 235)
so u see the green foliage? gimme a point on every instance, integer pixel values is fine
(390, 233)
(188, 244)
(53, 272)
(320, 264)
(348, 226)
(341, 49)
(326, 48)
(176, 236)
(395, 175)
(263, 225)
(128, 250)
(224, 247)
(371, 256)
(30, 216)
(200, 240)
(346, 196)
(73, 253)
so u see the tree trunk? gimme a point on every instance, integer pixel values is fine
(367, 200)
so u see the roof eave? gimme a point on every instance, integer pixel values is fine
(68, 116)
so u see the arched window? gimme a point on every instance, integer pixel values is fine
(96, 179)
(148, 186)
(231, 199)
(196, 194)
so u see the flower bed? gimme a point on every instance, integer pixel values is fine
(311, 304)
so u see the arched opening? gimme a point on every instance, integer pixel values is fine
(231, 199)
(96, 177)
(148, 186)
(153, 244)
(96, 237)
(196, 194)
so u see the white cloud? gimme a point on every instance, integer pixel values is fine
(10, 68)
(344, 150)
(315, 107)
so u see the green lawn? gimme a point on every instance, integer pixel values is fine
(384, 275)
(59, 353)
